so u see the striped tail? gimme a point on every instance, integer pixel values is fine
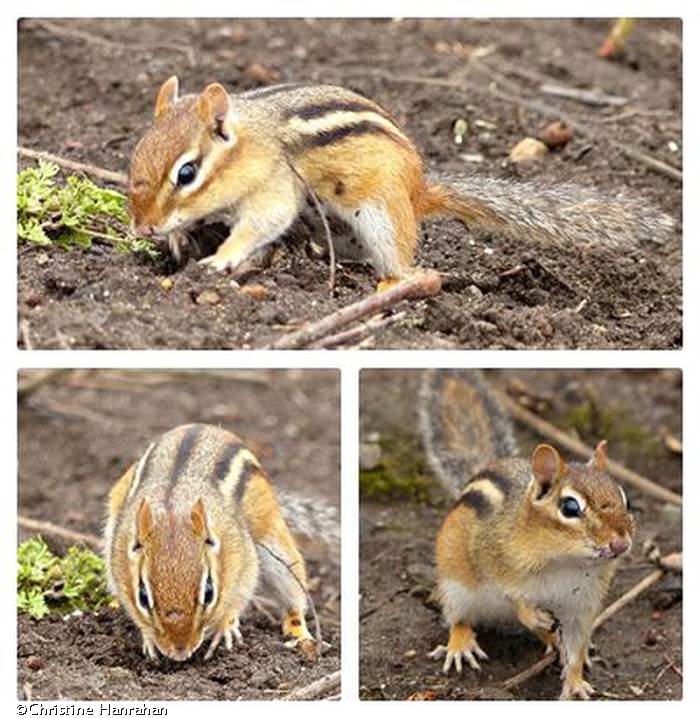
(562, 214)
(463, 426)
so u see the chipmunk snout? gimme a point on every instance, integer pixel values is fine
(618, 546)
(145, 230)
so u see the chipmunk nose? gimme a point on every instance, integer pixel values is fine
(145, 230)
(618, 546)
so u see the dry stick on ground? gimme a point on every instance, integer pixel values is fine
(326, 227)
(544, 110)
(639, 588)
(61, 30)
(554, 113)
(30, 381)
(317, 689)
(127, 378)
(422, 284)
(51, 529)
(356, 334)
(575, 446)
(594, 98)
(310, 601)
(107, 175)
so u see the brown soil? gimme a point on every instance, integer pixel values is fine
(78, 434)
(639, 653)
(91, 102)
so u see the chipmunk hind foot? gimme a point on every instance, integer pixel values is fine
(462, 644)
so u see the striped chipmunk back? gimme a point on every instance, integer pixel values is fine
(190, 460)
(314, 116)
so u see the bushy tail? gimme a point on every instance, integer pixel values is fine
(563, 214)
(311, 519)
(463, 425)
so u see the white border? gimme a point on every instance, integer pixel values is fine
(350, 362)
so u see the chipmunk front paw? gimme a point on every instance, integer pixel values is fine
(462, 645)
(576, 689)
(149, 649)
(218, 263)
(228, 635)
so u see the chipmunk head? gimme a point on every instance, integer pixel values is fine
(581, 511)
(174, 578)
(171, 171)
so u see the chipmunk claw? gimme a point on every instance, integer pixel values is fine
(581, 690)
(455, 657)
(308, 646)
(544, 621)
(149, 650)
(216, 263)
(228, 635)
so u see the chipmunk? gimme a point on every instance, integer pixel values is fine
(195, 529)
(533, 541)
(253, 159)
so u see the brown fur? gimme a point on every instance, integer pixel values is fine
(337, 138)
(196, 506)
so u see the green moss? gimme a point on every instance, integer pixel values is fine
(615, 423)
(401, 473)
(47, 583)
(73, 214)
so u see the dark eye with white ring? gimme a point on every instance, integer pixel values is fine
(143, 597)
(186, 174)
(208, 592)
(570, 507)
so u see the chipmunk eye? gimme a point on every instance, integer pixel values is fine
(208, 592)
(569, 507)
(143, 597)
(186, 174)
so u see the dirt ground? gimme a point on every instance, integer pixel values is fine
(76, 437)
(91, 101)
(638, 652)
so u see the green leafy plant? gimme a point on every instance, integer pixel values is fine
(400, 474)
(47, 583)
(72, 214)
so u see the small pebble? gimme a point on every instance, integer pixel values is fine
(167, 283)
(254, 291)
(208, 296)
(34, 663)
(528, 149)
(557, 135)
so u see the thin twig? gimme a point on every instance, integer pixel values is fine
(75, 412)
(61, 30)
(607, 613)
(317, 689)
(549, 111)
(30, 381)
(51, 529)
(310, 601)
(575, 446)
(594, 98)
(25, 334)
(107, 175)
(422, 284)
(326, 227)
(358, 333)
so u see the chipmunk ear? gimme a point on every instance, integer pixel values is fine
(144, 521)
(167, 95)
(599, 460)
(547, 468)
(199, 520)
(214, 109)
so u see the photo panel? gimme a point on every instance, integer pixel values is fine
(507, 514)
(179, 534)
